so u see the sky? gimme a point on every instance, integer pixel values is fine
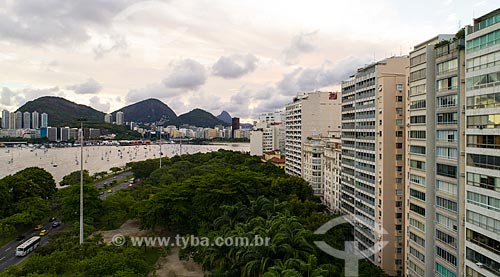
(245, 57)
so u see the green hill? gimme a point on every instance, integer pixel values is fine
(200, 118)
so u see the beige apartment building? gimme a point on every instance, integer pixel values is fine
(373, 112)
(331, 162)
(309, 115)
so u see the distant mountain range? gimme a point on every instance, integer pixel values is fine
(225, 116)
(63, 112)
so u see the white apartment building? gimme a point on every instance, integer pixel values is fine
(309, 115)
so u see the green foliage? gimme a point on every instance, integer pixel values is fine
(24, 199)
(74, 178)
(68, 203)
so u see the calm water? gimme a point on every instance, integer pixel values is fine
(96, 158)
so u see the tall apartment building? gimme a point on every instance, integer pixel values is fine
(373, 109)
(312, 161)
(332, 158)
(120, 119)
(18, 120)
(108, 118)
(35, 120)
(44, 120)
(309, 115)
(482, 206)
(12, 120)
(435, 190)
(5, 119)
(268, 134)
(26, 120)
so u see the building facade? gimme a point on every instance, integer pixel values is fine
(309, 115)
(26, 120)
(120, 118)
(108, 118)
(5, 119)
(373, 111)
(482, 223)
(332, 157)
(44, 120)
(35, 120)
(312, 161)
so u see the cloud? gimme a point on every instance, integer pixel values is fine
(187, 74)
(234, 66)
(112, 43)
(5, 98)
(55, 22)
(95, 102)
(308, 79)
(90, 86)
(151, 91)
(300, 44)
(15, 98)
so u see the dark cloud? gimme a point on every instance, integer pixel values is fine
(186, 74)
(308, 79)
(56, 22)
(151, 91)
(95, 102)
(301, 43)
(234, 66)
(90, 86)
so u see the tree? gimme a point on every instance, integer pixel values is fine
(74, 178)
(68, 202)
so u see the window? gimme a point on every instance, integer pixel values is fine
(443, 271)
(484, 141)
(484, 161)
(420, 241)
(447, 101)
(417, 149)
(417, 194)
(447, 256)
(399, 157)
(417, 75)
(417, 119)
(399, 98)
(414, 252)
(446, 221)
(417, 164)
(447, 135)
(399, 87)
(483, 221)
(417, 59)
(419, 210)
(484, 181)
(417, 134)
(419, 180)
(489, 264)
(447, 170)
(483, 81)
(446, 204)
(483, 41)
(417, 224)
(399, 134)
(489, 121)
(416, 268)
(445, 238)
(491, 100)
(399, 122)
(417, 104)
(399, 111)
(446, 187)
(399, 145)
(416, 90)
(447, 84)
(447, 66)
(485, 201)
(484, 61)
(447, 153)
(447, 118)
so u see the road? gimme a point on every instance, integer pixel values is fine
(8, 251)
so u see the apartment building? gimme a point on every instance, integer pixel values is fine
(482, 234)
(373, 109)
(332, 157)
(309, 115)
(435, 124)
(268, 134)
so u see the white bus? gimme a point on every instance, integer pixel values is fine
(28, 246)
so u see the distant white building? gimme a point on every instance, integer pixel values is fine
(120, 118)
(45, 120)
(5, 119)
(19, 120)
(35, 120)
(265, 137)
(108, 118)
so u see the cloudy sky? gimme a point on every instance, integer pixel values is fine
(245, 57)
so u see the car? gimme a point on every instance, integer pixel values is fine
(38, 227)
(101, 192)
(131, 180)
(130, 185)
(20, 237)
(52, 219)
(105, 183)
(56, 224)
(44, 232)
(110, 190)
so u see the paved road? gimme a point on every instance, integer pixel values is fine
(8, 252)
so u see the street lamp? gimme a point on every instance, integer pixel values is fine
(81, 178)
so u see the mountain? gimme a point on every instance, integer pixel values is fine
(149, 111)
(61, 111)
(200, 118)
(225, 116)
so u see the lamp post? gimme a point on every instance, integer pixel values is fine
(81, 178)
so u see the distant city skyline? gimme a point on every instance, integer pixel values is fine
(245, 57)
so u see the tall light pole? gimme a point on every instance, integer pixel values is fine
(81, 179)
